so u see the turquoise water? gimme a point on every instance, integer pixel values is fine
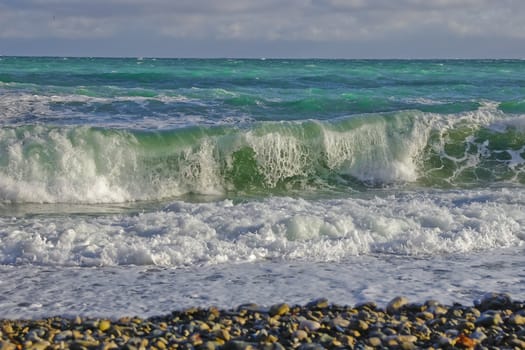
(125, 130)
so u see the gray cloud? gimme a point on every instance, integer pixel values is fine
(314, 21)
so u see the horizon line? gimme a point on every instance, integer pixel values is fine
(271, 58)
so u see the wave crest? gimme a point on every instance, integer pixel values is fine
(94, 165)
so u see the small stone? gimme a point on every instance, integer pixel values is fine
(348, 341)
(445, 341)
(271, 338)
(493, 301)
(110, 346)
(224, 334)
(209, 345)
(407, 346)
(395, 305)
(311, 346)
(277, 346)
(238, 345)
(104, 325)
(374, 341)
(77, 335)
(466, 341)
(309, 325)
(340, 322)
(35, 335)
(337, 343)
(517, 319)
(488, 319)
(425, 315)
(7, 345)
(161, 345)
(274, 321)
(240, 320)
(391, 342)
(279, 309)
(467, 325)
(406, 338)
(437, 310)
(203, 326)
(64, 335)
(368, 305)
(7, 328)
(85, 343)
(452, 333)
(422, 332)
(361, 325)
(518, 343)
(320, 303)
(40, 345)
(300, 335)
(195, 339)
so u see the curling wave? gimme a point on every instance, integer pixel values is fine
(100, 165)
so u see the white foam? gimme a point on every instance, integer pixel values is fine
(373, 153)
(280, 156)
(516, 122)
(21, 105)
(276, 228)
(58, 165)
(149, 291)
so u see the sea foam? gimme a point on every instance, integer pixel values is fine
(184, 234)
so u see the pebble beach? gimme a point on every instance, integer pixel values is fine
(495, 321)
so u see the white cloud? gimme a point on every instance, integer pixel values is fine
(313, 21)
(250, 19)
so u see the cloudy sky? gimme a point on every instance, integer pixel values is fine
(264, 28)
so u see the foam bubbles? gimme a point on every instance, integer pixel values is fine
(276, 228)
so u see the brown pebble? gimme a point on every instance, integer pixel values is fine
(374, 341)
(7, 345)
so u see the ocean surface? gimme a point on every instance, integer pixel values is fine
(138, 186)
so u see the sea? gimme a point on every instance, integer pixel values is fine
(138, 186)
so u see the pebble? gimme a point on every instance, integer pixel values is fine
(300, 334)
(488, 319)
(493, 301)
(320, 303)
(340, 322)
(374, 341)
(395, 305)
(517, 319)
(309, 325)
(495, 321)
(104, 325)
(279, 309)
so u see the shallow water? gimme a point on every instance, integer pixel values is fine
(33, 291)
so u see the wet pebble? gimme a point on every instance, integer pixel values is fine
(495, 321)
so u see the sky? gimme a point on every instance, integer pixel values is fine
(264, 28)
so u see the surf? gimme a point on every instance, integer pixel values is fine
(84, 164)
